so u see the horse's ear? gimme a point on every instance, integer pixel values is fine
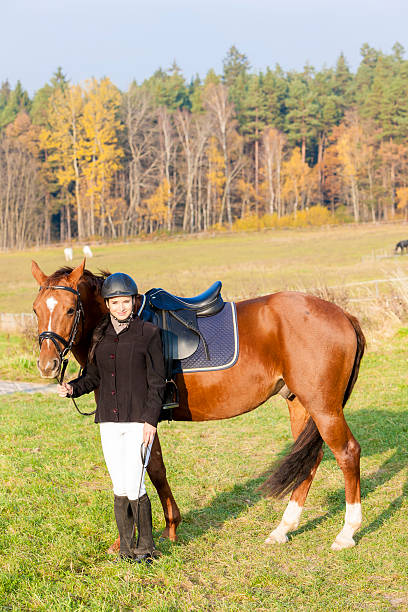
(38, 274)
(76, 274)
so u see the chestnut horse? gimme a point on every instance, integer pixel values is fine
(309, 345)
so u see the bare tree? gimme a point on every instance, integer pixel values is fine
(222, 114)
(141, 134)
(273, 143)
(21, 218)
(193, 133)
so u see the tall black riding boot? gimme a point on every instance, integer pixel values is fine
(126, 526)
(142, 512)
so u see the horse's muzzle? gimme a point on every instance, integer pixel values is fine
(50, 369)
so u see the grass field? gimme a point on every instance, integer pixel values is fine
(56, 519)
(249, 264)
(56, 511)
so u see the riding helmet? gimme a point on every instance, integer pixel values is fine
(118, 284)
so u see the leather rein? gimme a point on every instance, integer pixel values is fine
(58, 340)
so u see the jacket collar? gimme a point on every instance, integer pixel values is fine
(135, 326)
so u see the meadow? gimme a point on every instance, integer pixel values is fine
(56, 517)
(248, 264)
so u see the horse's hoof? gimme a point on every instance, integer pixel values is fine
(276, 537)
(164, 538)
(340, 544)
(114, 549)
(167, 535)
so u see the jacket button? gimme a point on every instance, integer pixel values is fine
(116, 339)
(113, 392)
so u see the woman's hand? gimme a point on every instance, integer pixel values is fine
(148, 433)
(64, 389)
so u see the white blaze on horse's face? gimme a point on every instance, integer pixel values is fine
(51, 304)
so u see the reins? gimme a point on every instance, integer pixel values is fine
(67, 344)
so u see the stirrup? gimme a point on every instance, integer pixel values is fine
(174, 395)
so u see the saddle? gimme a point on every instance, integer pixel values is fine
(177, 318)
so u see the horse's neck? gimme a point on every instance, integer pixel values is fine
(94, 309)
(80, 352)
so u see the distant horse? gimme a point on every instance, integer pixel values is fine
(87, 251)
(291, 338)
(401, 246)
(68, 253)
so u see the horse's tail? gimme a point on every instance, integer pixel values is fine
(361, 344)
(299, 462)
(297, 465)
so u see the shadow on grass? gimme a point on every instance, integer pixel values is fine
(377, 431)
(225, 506)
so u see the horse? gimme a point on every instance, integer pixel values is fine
(286, 339)
(401, 246)
(68, 254)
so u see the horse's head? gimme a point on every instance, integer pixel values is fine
(58, 310)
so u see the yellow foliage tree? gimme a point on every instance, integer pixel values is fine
(248, 196)
(81, 146)
(349, 145)
(62, 141)
(100, 151)
(299, 181)
(156, 205)
(216, 177)
(402, 199)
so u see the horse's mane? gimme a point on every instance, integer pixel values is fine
(94, 281)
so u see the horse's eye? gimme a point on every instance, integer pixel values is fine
(71, 311)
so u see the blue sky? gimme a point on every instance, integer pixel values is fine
(130, 39)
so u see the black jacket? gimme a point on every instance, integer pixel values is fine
(128, 369)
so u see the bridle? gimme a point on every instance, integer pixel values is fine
(58, 340)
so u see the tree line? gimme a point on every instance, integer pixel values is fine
(88, 160)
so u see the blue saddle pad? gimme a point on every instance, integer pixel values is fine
(221, 333)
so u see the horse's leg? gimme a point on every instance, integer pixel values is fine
(346, 450)
(337, 435)
(157, 473)
(291, 516)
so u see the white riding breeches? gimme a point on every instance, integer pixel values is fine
(121, 445)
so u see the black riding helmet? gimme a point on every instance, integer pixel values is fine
(118, 284)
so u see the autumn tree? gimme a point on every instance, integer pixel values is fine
(100, 152)
(63, 139)
(299, 183)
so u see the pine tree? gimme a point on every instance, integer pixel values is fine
(18, 101)
(169, 88)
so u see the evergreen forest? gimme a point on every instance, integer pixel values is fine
(240, 149)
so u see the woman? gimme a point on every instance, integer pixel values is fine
(125, 364)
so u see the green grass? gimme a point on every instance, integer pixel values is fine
(18, 358)
(249, 264)
(56, 511)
